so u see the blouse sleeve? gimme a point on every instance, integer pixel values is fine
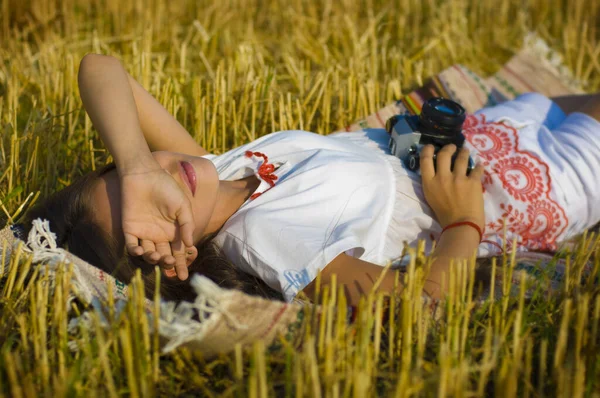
(527, 107)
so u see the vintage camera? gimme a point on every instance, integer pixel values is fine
(440, 123)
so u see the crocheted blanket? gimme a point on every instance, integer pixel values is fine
(220, 318)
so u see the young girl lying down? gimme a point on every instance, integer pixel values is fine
(267, 216)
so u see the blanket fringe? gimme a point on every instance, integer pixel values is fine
(177, 323)
(41, 244)
(538, 46)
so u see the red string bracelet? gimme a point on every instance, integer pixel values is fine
(461, 223)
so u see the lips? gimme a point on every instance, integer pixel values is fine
(188, 175)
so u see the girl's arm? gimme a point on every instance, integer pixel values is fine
(575, 102)
(358, 277)
(162, 131)
(154, 208)
(454, 197)
(108, 100)
(592, 107)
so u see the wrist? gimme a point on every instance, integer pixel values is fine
(462, 233)
(444, 222)
(465, 223)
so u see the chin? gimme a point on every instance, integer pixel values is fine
(208, 175)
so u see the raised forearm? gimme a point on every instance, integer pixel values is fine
(108, 100)
(161, 130)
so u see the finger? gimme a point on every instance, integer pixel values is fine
(477, 173)
(167, 262)
(444, 159)
(185, 219)
(133, 246)
(151, 257)
(461, 163)
(178, 249)
(166, 259)
(191, 253)
(426, 160)
(150, 254)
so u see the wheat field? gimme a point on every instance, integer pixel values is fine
(232, 71)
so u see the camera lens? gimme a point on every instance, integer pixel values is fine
(445, 109)
(441, 117)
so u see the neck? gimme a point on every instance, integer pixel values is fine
(230, 197)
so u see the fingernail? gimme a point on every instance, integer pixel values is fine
(170, 272)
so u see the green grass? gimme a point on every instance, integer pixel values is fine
(231, 71)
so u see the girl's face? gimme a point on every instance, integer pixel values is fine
(106, 194)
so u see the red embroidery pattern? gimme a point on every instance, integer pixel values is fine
(495, 142)
(522, 177)
(265, 171)
(527, 211)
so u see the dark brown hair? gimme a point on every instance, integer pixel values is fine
(70, 216)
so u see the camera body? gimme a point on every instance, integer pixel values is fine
(440, 123)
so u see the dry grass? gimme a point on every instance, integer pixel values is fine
(231, 71)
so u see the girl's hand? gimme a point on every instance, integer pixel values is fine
(452, 195)
(156, 211)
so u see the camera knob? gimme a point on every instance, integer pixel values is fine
(413, 162)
